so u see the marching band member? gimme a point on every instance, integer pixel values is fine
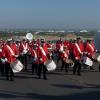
(59, 48)
(64, 57)
(50, 49)
(90, 50)
(49, 45)
(71, 46)
(24, 49)
(66, 43)
(1, 60)
(34, 58)
(42, 56)
(78, 52)
(10, 53)
(18, 42)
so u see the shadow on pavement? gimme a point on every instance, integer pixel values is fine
(23, 77)
(33, 96)
(77, 86)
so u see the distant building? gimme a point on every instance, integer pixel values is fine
(83, 31)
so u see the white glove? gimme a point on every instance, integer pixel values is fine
(41, 59)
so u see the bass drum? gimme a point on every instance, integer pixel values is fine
(50, 65)
(16, 66)
(87, 61)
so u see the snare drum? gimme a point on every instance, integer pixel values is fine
(50, 65)
(16, 66)
(87, 61)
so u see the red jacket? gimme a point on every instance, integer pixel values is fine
(21, 47)
(66, 43)
(65, 54)
(78, 50)
(34, 55)
(1, 50)
(8, 54)
(42, 56)
(45, 47)
(90, 49)
(49, 45)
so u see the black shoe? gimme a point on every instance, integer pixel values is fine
(39, 77)
(11, 79)
(91, 68)
(61, 70)
(73, 73)
(45, 79)
(7, 78)
(66, 70)
(79, 74)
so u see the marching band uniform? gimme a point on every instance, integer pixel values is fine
(1, 64)
(59, 48)
(78, 52)
(49, 45)
(34, 59)
(42, 56)
(71, 46)
(10, 52)
(90, 49)
(24, 47)
(50, 50)
(66, 44)
(64, 57)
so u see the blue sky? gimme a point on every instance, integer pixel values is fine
(50, 14)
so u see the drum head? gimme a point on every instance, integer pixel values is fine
(87, 61)
(16, 66)
(50, 64)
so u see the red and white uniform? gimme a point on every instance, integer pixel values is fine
(78, 50)
(1, 50)
(66, 43)
(49, 46)
(59, 46)
(10, 52)
(34, 55)
(90, 49)
(45, 47)
(42, 56)
(65, 54)
(24, 46)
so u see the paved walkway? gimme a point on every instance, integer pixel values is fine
(59, 86)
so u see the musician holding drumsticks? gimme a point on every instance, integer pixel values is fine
(33, 50)
(24, 50)
(10, 52)
(90, 50)
(78, 50)
(64, 58)
(42, 52)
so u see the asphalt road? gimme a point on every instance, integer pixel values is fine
(59, 86)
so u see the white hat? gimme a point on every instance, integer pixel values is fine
(9, 39)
